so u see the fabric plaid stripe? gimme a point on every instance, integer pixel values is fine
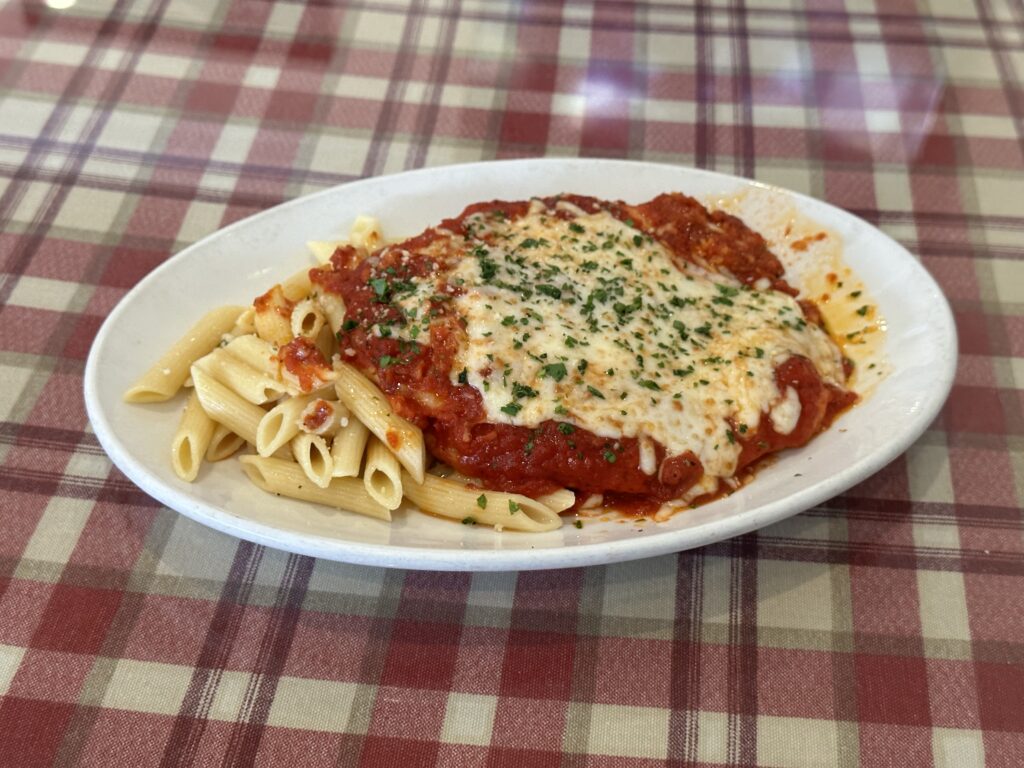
(883, 627)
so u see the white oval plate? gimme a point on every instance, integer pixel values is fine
(242, 260)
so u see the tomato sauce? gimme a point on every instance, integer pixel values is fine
(316, 416)
(305, 362)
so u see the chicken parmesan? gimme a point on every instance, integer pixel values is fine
(636, 354)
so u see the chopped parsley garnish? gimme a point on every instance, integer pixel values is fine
(566, 429)
(470, 520)
(488, 267)
(511, 408)
(481, 501)
(521, 390)
(554, 371)
(594, 391)
(512, 507)
(380, 287)
(609, 456)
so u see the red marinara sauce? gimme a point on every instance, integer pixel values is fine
(301, 358)
(423, 386)
(317, 414)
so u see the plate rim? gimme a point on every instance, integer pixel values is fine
(575, 555)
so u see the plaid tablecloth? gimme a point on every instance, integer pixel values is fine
(885, 627)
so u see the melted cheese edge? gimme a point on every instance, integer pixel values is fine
(591, 322)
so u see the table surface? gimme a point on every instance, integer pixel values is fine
(885, 627)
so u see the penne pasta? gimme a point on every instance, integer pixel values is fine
(224, 443)
(326, 342)
(256, 353)
(333, 308)
(227, 407)
(348, 448)
(322, 250)
(322, 417)
(287, 479)
(192, 439)
(382, 475)
(272, 318)
(244, 325)
(280, 424)
(313, 455)
(370, 406)
(166, 376)
(505, 511)
(366, 233)
(297, 286)
(307, 319)
(558, 501)
(255, 386)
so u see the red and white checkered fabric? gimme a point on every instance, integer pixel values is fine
(885, 627)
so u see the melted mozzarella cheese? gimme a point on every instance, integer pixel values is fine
(592, 322)
(786, 413)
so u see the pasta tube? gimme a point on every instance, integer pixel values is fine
(313, 455)
(334, 308)
(558, 501)
(307, 319)
(280, 424)
(382, 475)
(287, 479)
(255, 386)
(191, 440)
(370, 406)
(273, 316)
(227, 407)
(223, 444)
(297, 286)
(366, 233)
(322, 250)
(167, 374)
(322, 417)
(348, 448)
(450, 498)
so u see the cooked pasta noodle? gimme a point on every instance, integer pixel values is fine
(223, 444)
(449, 498)
(348, 448)
(191, 440)
(165, 377)
(313, 455)
(287, 479)
(370, 406)
(382, 475)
